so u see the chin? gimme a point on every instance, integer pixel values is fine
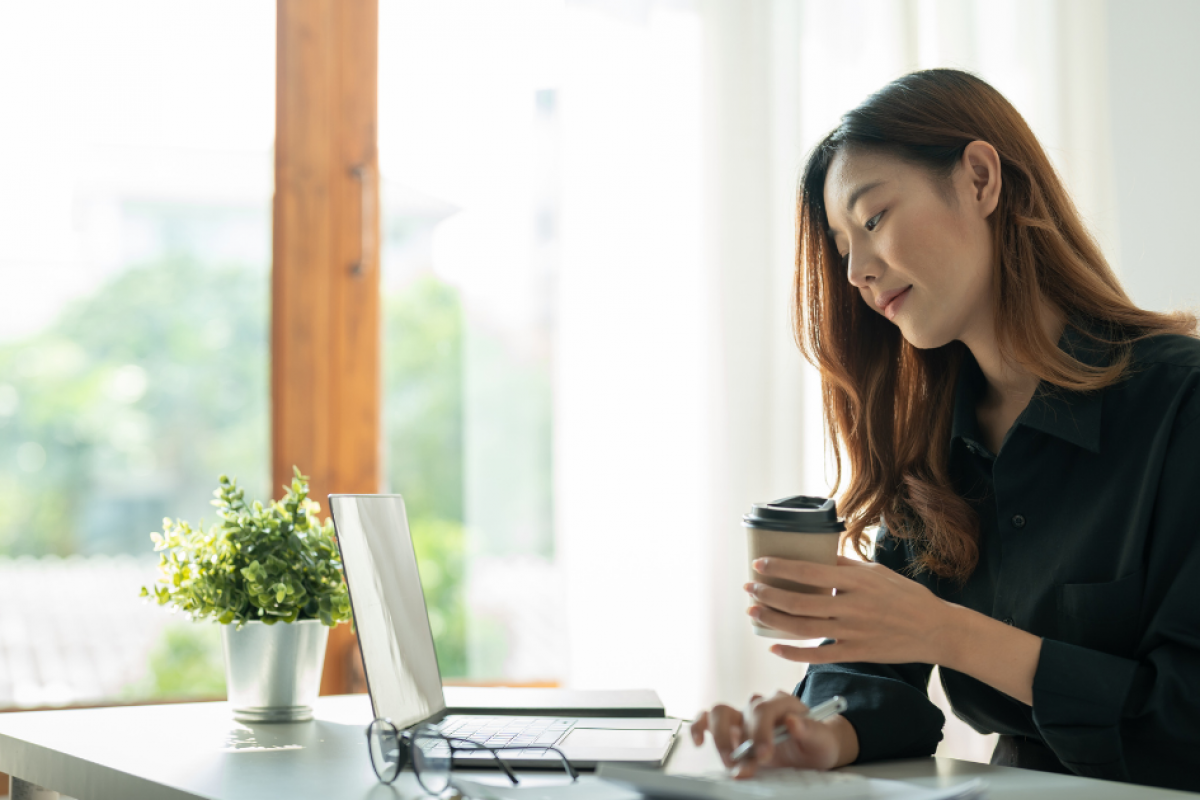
(923, 338)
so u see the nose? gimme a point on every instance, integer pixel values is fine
(862, 270)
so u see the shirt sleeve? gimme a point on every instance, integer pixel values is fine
(889, 704)
(1135, 718)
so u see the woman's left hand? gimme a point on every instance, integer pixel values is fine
(876, 616)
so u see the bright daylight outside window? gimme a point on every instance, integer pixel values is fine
(135, 189)
(467, 158)
(498, 121)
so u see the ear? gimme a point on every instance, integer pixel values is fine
(981, 165)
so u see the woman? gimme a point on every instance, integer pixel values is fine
(1026, 436)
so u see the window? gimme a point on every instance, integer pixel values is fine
(469, 220)
(135, 185)
(521, 145)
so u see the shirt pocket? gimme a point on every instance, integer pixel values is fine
(1102, 616)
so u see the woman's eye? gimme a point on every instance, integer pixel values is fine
(873, 222)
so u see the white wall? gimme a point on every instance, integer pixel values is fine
(1154, 64)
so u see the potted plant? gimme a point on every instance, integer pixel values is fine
(272, 576)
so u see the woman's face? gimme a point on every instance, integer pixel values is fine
(918, 249)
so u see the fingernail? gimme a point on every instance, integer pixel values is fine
(750, 587)
(754, 612)
(759, 564)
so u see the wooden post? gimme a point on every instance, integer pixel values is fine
(325, 383)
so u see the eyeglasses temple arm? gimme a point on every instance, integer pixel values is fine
(504, 767)
(466, 744)
(567, 763)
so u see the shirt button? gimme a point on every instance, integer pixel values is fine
(1018, 521)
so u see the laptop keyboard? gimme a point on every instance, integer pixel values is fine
(533, 734)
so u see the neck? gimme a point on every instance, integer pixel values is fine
(1009, 383)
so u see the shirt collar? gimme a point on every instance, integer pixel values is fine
(1071, 416)
(967, 391)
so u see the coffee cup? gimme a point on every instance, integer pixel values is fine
(800, 528)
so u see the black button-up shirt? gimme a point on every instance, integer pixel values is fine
(1089, 538)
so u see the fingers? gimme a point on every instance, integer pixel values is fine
(809, 745)
(795, 603)
(807, 572)
(795, 725)
(827, 654)
(797, 750)
(802, 627)
(763, 716)
(726, 726)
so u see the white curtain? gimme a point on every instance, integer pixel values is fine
(680, 395)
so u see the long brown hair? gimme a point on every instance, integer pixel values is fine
(888, 405)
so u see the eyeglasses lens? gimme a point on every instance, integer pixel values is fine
(384, 742)
(431, 760)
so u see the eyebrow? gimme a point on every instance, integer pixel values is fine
(855, 196)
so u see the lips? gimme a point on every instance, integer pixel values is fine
(890, 301)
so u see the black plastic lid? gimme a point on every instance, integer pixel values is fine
(800, 514)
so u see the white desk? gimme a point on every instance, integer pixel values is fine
(196, 750)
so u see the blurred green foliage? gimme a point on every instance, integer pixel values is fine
(440, 550)
(118, 412)
(135, 396)
(186, 662)
(423, 398)
(423, 424)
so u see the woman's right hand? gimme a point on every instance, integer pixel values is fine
(813, 745)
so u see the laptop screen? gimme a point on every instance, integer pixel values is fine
(389, 607)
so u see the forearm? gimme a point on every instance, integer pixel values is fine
(882, 698)
(1003, 657)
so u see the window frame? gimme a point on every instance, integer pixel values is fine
(325, 306)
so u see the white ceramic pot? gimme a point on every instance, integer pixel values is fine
(273, 672)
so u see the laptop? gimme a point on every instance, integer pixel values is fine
(401, 666)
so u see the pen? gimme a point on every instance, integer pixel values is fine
(818, 713)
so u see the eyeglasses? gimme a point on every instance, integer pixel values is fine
(431, 754)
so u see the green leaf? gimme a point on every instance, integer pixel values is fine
(271, 561)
